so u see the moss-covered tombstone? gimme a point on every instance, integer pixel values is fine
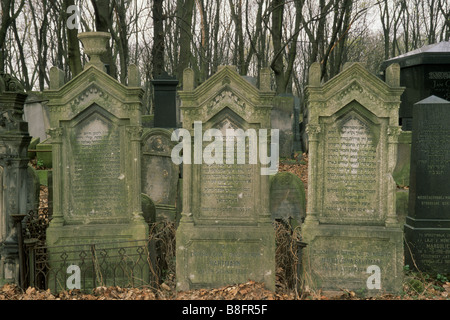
(96, 148)
(17, 193)
(225, 234)
(287, 198)
(353, 236)
(159, 173)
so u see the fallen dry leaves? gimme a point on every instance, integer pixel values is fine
(298, 166)
(245, 291)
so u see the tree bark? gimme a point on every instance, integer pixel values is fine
(7, 18)
(184, 24)
(158, 38)
(73, 45)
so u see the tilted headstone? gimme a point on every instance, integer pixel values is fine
(225, 235)
(96, 149)
(287, 197)
(14, 187)
(159, 174)
(351, 228)
(427, 228)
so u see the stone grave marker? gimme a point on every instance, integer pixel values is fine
(351, 228)
(427, 228)
(225, 234)
(159, 173)
(96, 155)
(287, 197)
(36, 114)
(16, 194)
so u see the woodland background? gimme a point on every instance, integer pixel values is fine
(171, 35)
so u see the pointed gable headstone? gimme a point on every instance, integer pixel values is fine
(351, 222)
(96, 149)
(225, 234)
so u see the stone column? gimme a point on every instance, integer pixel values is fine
(135, 134)
(58, 185)
(393, 134)
(313, 138)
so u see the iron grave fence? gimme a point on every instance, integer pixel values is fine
(87, 266)
(128, 263)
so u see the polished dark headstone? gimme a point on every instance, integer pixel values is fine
(165, 92)
(427, 228)
(424, 72)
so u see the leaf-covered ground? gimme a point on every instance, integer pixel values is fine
(431, 289)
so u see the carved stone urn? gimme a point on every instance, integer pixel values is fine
(94, 44)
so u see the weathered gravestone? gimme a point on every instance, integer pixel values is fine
(287, 198)
(96, 149)
(159, 173)
(427, 228)
(225, 235)
(36, 114)
(17, 195)
(351, 227)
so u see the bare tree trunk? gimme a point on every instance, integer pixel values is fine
(445, 11)
(204, 42)
(73, 45)
(7, 18)
(236, 15)
(121, 39)
(184, 24)
(282, 76)
(277, 28)
(158, 38)
(26, 80)
(253, 38)
(41, 39)
(215, 62)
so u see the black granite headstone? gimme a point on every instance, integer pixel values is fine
(424, 72)
(165, 92)
(427, 228)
